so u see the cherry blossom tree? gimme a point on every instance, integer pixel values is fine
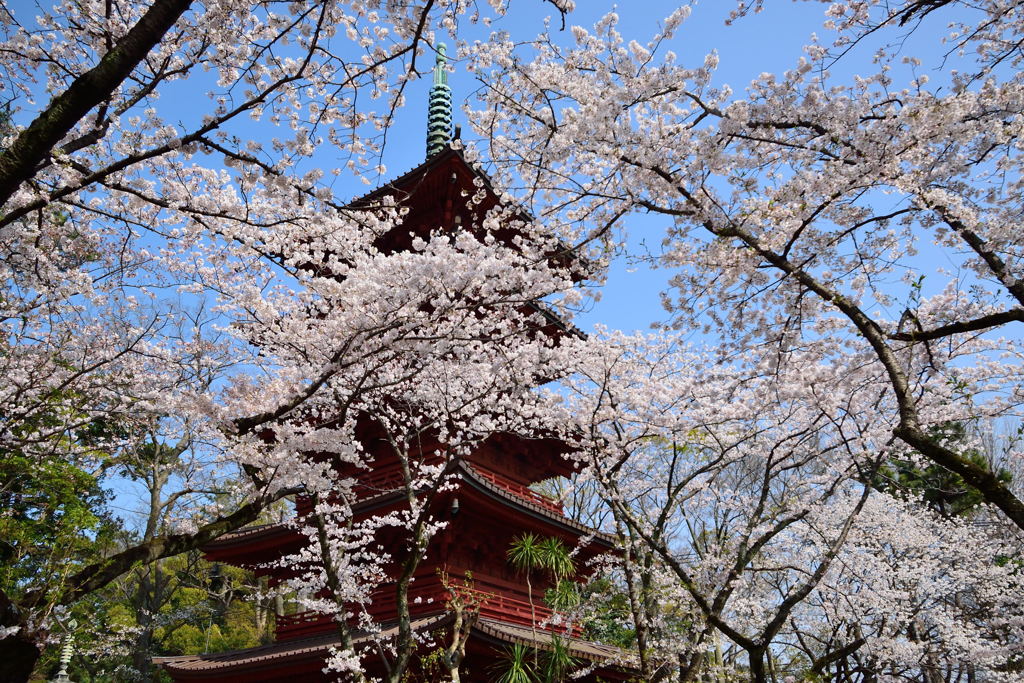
(197, 266)
(813, 205)
(805, 220)
(754, 540)
(915, 596)
(725, 489)
(193, 265)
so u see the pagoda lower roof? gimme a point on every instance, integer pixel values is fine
(314, 651)
(503, 632)
(315, 647)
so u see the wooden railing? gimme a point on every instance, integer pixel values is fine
(495, 598)
(513, 606)
(519, 490)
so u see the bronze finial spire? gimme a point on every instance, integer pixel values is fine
(439, 113)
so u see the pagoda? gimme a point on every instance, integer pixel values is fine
(491, 504)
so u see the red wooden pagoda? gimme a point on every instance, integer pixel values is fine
(491, 505)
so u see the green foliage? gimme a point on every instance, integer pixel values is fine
(564, 596)
(557, 662)
(943, 491)
(519, 663)
(556, 559)
(212, 632)
(525, 553)
(611, 621)
(53, 504)
(50, 517)
(209, 608)
(431, 664)
(515, 665)
(529, 553)
(201, 607)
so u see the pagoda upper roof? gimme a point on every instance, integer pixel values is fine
(412, 177)
(525, 501)
(425, 185)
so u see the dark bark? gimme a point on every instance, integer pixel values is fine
(99, 574)
(984, 480)
(757, 669)
(919, 9)
(19, 656)
(819, 666)
(19, 162)
(980, 324)
(690, 667)
(18, 653)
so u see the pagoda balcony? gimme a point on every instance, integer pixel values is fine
(517, 489)
(382, 480)
(497, 601)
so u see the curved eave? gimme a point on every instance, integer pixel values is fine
(242, 663)
(501, 632)
(257, 544)
(252, 545)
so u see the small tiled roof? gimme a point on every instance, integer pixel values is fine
(248, 534)
(251, 534)
(420, 170)
(263, 653)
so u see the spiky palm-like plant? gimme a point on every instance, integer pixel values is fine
(515, 666)
(557, 663)
(563, 596)
(526, 555)
(529, 553)
(555, 559)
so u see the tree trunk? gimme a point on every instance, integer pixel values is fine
(327, 559)
(18, 654)
(467, 611)
(144, 619)
(19, 657)
(757, 672)
(690, 667)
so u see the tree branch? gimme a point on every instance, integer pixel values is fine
(33, 145)
(99, 574)
(985, 322)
